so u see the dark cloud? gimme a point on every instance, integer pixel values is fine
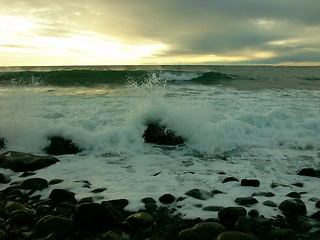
(187, 27)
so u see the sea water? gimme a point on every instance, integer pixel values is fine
(241, 121)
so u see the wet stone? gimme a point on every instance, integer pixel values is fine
(199, 194)
(230, 215)
(61, 195)
(294, 195)
(250, 182)
(270, 203)
(141, 220)
(148, 200)
(119, 204)
(230, 179)
(212, 208)
(310, 172)
(4, 178)
(55, 181)
(98, 190)
(167, 198)
(293, 206)
(246, 201)
(264, 194)
(34, 184)
(318, 204)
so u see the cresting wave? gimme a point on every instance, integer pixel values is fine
(92, 78)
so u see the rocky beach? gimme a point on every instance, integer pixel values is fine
(25, 214)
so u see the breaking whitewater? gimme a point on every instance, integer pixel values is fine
(235, 123)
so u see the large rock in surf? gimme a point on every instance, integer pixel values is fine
(22, 162)
(159, 134)
(60, 146)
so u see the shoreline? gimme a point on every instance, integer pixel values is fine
(25, 215)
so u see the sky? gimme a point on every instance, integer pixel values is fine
(124, 32)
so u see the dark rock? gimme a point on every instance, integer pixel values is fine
(148, 200)
(253, 213)
(34, 184)
(2, 143)
(21, 162)
(119, 204)
(230, 179)
(234, 235)
(275, 185)
(298, 184)
(55, 181)
(141, 220)
(167, 198)
(250, 182)
(4, 178)
(282, 233)
(212, 208)
(294, 195)
(159, 134)
(293, 206)
(60, 146)
(62, 195)
(199, 194)
(98, 190)
(310, 172)
(85, 200)
(318, 204)
(59, 226)
(202, 231)
(230, 215)
(92, 216)
(270, 203)
(264, 194)
(246, 201)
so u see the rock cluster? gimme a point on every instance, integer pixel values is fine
(159, 134)
(23, 215)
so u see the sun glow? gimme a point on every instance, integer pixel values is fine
(20, 37)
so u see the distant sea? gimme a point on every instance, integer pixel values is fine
(243, 121)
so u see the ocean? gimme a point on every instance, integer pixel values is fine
(248, 122)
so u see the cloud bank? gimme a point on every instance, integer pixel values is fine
(200, 32)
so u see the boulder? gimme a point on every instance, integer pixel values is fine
(230, 179)
(250, 182)
(282, 233)
(110, 235)
(159, 134)
(202, 231)
(230, 215)
(246, 201)
(61, 146)
(22, 162)
(167, 198)
(59, 226)
(199, 194)
(62, 195)
(264, 194)
(293, 206)
(34, 184)
(91, 216)
(310, 172)
(141, 220)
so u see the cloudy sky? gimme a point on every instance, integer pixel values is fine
(110, 32)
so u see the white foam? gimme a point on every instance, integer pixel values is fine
(262, 134)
